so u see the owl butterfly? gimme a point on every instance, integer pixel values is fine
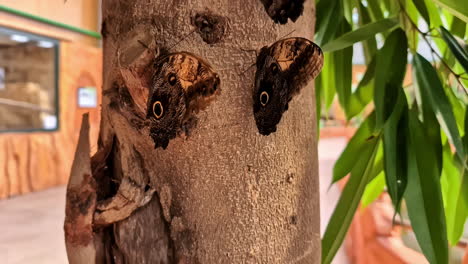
(283, 69)
(281, 10)
(182, 85)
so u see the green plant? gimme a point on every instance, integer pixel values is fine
(416, 137)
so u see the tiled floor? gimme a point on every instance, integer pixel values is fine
(31, 226)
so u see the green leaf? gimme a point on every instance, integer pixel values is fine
(421, 6)
(458, 27)
(370, 45)
(351, 154)
(378, 164)
(329, 14)
(373, 190)
(430, 85)
(363, 33)
(343, 63)
(434, 13)
(457, 107)
(327, 79)
(423, 195)
(375, 10)
(455, 207)
(464, 173)
(464, 186)
(465, 137)
(456, 7)
(431, 123)
(348, 7)
(343, 214)
(456, 49)
(408, 22)
(318, 105)
(391, 6)
(390, 71)
(364, 91)
(395, 143)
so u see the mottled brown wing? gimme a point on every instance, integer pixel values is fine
(283, 69)
(281, 10)
(299, 58)
(182, 85)
(198, 80)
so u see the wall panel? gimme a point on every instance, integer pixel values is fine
(39, 160)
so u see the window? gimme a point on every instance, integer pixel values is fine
(28, 82)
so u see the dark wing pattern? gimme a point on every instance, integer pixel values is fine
(283, 69)
(183, 85)
(281, 10)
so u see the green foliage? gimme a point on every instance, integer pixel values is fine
(414, 144)
(423, 195)
(349, 201)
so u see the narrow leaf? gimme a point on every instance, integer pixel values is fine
(390, 71)
(370, 45)
(458, 27)
(434, 13)
(373, 190)
(365, 32)
(456, 7)
(329, 14)
(364, 91)
(326, 80)
(395, 143)
(351, 154)
(375, 10)
(456, 49)
(343, 214)
(423, 195)
(421, 6)
(430, 85)
(343, 69)
(408, 21)
(455, 207)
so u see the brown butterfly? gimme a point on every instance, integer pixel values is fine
(182, 85)
(283, 69)
(281, 10)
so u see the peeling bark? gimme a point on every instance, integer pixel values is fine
(80, 203)
(224, 193)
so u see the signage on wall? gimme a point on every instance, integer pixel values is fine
(87, 97)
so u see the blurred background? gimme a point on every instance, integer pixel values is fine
(51, 73)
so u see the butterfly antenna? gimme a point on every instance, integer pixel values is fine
(156, 49)
(288, 34)
(178, 42)
(248, 68)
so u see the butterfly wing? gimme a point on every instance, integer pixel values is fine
(283, 69)
(300, 59)
(182, 86)
(281, 10)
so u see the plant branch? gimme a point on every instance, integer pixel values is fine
(433, 51)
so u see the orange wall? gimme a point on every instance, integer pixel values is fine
(38, 160)
(78, 13)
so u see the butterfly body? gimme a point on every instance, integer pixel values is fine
(183, 84)
(283, 69)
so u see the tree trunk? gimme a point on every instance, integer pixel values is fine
(224, 193)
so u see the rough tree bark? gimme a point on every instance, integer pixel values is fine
(225, 193)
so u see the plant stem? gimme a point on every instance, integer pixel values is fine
(433, 51)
